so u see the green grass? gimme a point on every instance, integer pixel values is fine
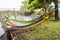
(59, 2)
(49, 30)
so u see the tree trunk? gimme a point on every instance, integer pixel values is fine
(56, 10)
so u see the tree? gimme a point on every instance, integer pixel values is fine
(37, 4)
(25, 5)
(56, 10)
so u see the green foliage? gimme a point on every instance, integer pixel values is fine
(37, 4)
(30, 1)
(34, 5)
(25, 5)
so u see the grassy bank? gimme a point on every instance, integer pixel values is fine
(49, 30)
